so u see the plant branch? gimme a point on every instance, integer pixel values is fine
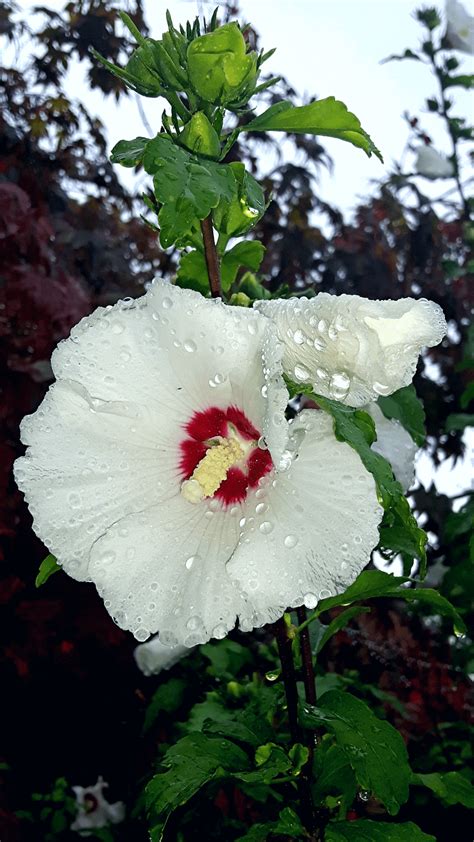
(280, 631)
(212, 260)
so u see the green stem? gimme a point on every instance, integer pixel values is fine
(178, 105)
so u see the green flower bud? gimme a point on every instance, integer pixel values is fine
(239, 299)
(219, 68)
(199, 136)
(145, 77)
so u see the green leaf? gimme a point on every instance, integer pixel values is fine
(377, 583)
(199, 136)
(188, 188)
(406, 407)
(129, 153)
(374, 749)
(194, 761)
(249, 286)
(47, 567)
(287, 825)
(399, 531)
(333, 776)
(219, 67)
(463, 80)
(167, 699)
(271, 761)
(248, 253)
(450, 787)
(458, 421)
(227, 658)
(401, 57)
(192, 272)
(339, 623)
(327, 117)
(136, 75)
(245, 209)
(366, 830)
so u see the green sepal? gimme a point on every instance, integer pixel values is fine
(129, 153)
(47, 568)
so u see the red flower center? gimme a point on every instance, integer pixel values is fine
(215, 423)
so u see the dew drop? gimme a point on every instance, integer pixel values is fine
(266, 527)
(117, 328)
(381, 388)
(190, 561)
(298, 337)
(167, 303)
(319, 344)
(141, 635)
(301, 373)
(290, 541)
(310, 600)
(324, 593)
(219, 631)
(190, 346)
(332, 333)
(193, 623)
(260, 508)
(339, 384)
(322, 325)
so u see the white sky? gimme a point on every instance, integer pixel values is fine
(324, 47)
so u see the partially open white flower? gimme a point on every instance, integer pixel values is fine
(153, 656)
(148, 474)
(459, 27)
(395, 444)
(432, 164)
(352, 349)
(93, 809)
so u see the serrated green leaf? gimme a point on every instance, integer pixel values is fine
(288, 824)
(192, 272)
(366, 830)
(129, 153)
(373, 748)
(376, 583)
(328, 117)
(333, 776)
(271, 761)
(450, 787)
(194, 761)
(187, 187)
(240, 215)
(47, 568)
(406, 407)
(248, 253)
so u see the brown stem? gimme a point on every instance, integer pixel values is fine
(307, 658)
(212, 260)
(289, 676)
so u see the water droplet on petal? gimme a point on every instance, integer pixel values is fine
(324, 593)
(339, 384)
(190, 346)
(219, 631)
(166, 303)
(310, 600)
(381, 388)
(298, 337)
(290, 541)
(266, 527)
(301, 373)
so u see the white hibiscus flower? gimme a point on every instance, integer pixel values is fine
(147, 472)
(352, 349)
(459, 27)
(93, 809)
(431, 164)
(153, 656)
(395, 444)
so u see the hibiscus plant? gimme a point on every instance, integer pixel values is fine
(214, 455)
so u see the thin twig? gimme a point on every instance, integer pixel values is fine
(212, 260)
(289, 676)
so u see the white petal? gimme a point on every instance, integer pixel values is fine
(309, 531)
(352, 349)
(460, 27)
(90, 463)
(395, 444)
(153, 656)
(105, 441)
(431, 164)
(164, 570)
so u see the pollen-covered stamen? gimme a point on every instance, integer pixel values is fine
(212, 469)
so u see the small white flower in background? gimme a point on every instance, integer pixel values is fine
(93, 809)
(395, 445)
(153, 656)
(459, 27)
(352, 349)
(147, 472)
(431, 164)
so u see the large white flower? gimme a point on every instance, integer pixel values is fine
(395, 444)
(430, 163)
(459, 27)
(93, 809)
(352, 349)
(148, 474)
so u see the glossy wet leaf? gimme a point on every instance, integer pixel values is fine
(288, 824)
(366, 830)
(328, 117)
(450, 787)
(247, 253)
(374, 749)
(129, 153)
(406, 407)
